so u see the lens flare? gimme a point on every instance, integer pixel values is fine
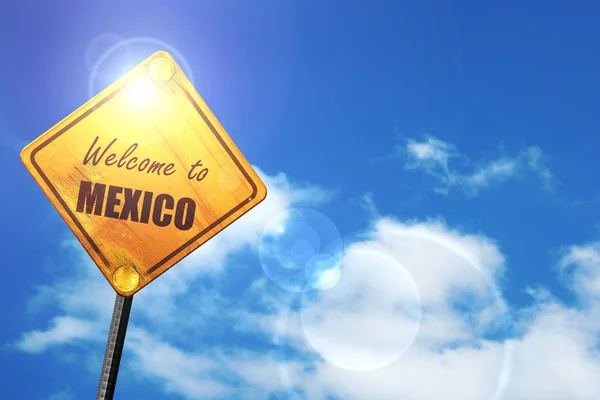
(106, 69)
(300, 249)
(121, 56)
(322, 271)
(399, 298)
(141, 93)
(112, 58)
(369, 319)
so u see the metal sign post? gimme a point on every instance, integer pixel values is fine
(114, 348)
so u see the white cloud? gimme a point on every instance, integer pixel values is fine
(585, 261)
(434, 156)
(368, 205)
(63, 330)
(261, 372)
(180, 372)
(458, 348)
(553, 355)
(557, 357)
(369, 319)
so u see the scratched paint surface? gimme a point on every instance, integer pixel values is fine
(194, 183)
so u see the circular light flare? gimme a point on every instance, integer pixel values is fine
(297, 247)
(328, 279)
(323, 271)
(366, 314)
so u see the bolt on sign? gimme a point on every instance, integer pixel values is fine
(143, 174)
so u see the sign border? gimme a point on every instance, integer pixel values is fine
(181, 248)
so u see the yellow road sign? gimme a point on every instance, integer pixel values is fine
(143, 174)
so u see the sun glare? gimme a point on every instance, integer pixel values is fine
(141, 92)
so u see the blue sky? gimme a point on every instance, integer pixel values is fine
(452, 145)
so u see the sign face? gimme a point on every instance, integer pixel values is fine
(143, 174)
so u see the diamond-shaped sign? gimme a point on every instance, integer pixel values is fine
(143, 174)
